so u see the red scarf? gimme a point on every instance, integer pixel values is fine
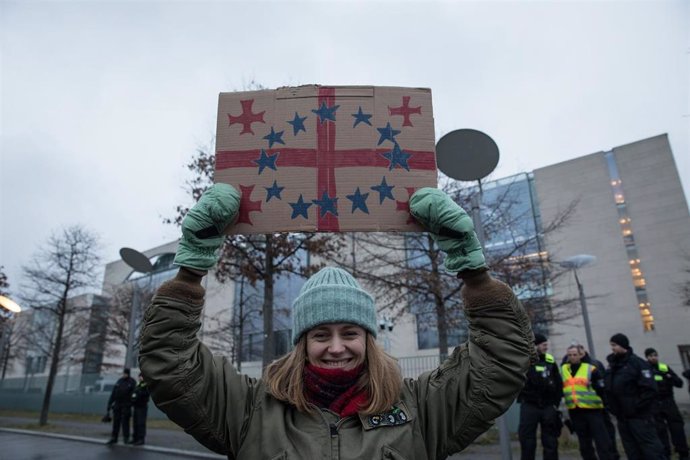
(335, 389)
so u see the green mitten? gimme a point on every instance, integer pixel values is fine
(203, 226)
(451, 228)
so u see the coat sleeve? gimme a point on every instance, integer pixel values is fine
(480, 380)
(675, 380)
(201, 393)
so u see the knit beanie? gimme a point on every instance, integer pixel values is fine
(332, 295)
(539, 338)
(620, 339)
(649, 351)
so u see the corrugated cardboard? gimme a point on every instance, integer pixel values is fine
(324, 158)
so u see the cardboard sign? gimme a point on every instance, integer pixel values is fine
(326, 159)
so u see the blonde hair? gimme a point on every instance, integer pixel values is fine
(381, 378)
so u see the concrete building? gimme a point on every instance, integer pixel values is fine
(633, 217)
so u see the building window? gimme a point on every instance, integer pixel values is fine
(627, 234)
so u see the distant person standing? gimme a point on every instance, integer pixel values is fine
(583, 392)
(140, 401)
(631, 393)
(539, 401)
(667, 415)
(120, 402)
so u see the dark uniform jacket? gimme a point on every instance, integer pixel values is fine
(439, 413)
(665, 380)
(630, 387)
(121, 396)
(140, 396)
(544, 385)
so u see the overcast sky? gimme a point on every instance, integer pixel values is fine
(103, 103)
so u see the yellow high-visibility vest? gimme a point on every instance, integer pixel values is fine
(663, 368)
(577, 389)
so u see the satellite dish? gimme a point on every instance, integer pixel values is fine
(466, 154)
(136, 260)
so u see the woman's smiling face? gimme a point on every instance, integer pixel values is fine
(336, 346)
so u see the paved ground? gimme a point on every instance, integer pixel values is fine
(87, 440)
(23, 446)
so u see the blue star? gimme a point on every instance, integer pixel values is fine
(267, 161)
(385, 190)
(361, 117)
(397, 156)
(300, 208)
(297, 124)
(326, 113)
(387, 133)
(326, 204)
(273, 191)
(274, 137)
(359, 201)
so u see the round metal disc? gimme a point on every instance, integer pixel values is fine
(466, 154)
(136, 260)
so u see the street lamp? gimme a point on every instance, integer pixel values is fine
(9, 304)
(7, 325)
(142, 264)
(573, 263)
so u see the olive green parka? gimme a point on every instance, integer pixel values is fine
(438, 414)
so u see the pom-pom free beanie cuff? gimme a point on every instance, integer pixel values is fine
(332, 296)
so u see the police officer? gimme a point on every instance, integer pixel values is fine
(140, 401)
(539, 400)
(583, 392)
(120, 402)
(667, 415)
(631, 393)
(610, 428)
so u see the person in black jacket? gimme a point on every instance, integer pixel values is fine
(585, 357)
(666, 414)
(120, 402)
(539, 402)
(631, 393)
(140, 401)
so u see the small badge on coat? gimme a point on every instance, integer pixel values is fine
(647, 373)
(398, 415)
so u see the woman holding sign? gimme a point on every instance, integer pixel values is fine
(336, 394)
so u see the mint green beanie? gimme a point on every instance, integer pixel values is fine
(332, 295)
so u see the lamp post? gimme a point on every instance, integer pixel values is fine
(142, 264)
(573, 263)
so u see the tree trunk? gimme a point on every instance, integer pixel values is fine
(268, 349)
(54, 363)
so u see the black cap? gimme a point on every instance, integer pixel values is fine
(649, 351)
(620, 339)
(539, 338)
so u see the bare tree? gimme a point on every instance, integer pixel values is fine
(405, 271)
(65, 267)
(258, 258)
(9, 336)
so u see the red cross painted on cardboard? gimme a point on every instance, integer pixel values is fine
(325, 158)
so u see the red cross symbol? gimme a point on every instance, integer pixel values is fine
(325, 158)
(405, 205)
(405, 110)
(247, 205)
(246, 118)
